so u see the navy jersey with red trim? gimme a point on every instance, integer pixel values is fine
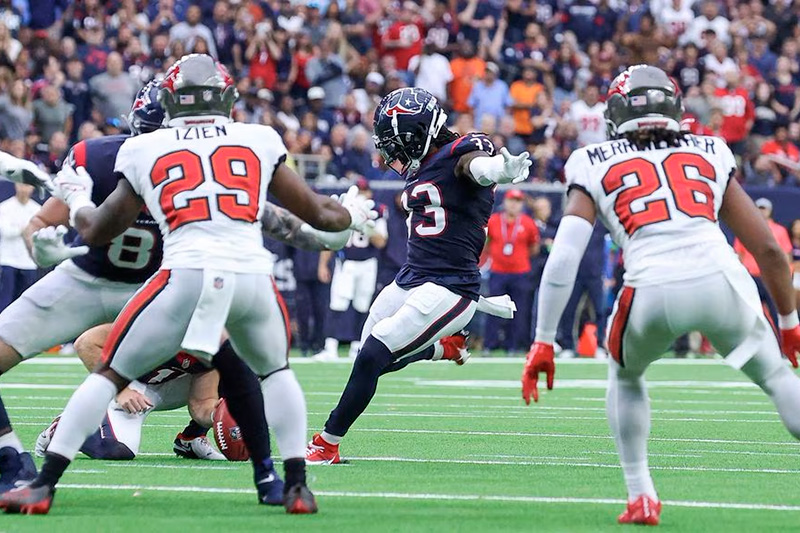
(180, 365)
(448, 220)
(135, 255)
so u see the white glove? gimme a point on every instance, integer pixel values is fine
(24, 171)
(499, 169)
(331, 240)
(515, 167)
(74, 186)
(362, 212)
(49, 248)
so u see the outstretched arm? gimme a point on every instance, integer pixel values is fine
(281, 225)
(488, 170)
(320, 211)
(742, 216)
(556, 287)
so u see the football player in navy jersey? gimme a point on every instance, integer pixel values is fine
(449, 193)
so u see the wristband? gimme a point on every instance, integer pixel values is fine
(76, 204)
(789, 321)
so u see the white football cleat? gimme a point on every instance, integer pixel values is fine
(44, 438)
(198, 448)
(325, 356)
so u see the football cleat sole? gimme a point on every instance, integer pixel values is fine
(300, 500)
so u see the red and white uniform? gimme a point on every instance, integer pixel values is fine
(205, 186)
(661, 207)
(408, 32)
(738, 110)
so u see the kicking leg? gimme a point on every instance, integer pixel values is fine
(425, 315)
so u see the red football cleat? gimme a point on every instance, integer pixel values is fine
(455, 347)
(321, 452)
(300, 500)
(643, 510)
(27, 500)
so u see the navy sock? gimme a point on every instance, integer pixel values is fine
(5, 423)
(242, 392)
(52, 470)
(371, 361)
(193, 430)
(424, 355)
(295, 472)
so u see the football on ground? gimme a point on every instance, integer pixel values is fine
(227, 434)
(445, 447)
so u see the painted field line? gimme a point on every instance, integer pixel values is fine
(36, 386)
(565, 435)
(581, 384)
(534, 415)
(551, 462)
(441, 497)
(765, 403)
(525, 408)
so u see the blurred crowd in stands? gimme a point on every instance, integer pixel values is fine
(532, 73)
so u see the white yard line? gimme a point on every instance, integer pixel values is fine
(535, 415)
(440, 497)
(566, 435)
(551, 462)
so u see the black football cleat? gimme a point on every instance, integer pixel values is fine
(28, 500)
(300, 500)
(15, 468)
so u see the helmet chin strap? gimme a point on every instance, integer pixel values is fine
(433, 131)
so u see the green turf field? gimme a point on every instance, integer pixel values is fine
(446, 448)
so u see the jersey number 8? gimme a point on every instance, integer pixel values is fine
(237, 168)
(692, 195)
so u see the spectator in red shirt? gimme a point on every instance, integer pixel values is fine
(780, 158)
(512, 239)
(782, 236)
(403, 40)
(738, 111)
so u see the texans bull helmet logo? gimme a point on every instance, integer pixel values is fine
(405, 102)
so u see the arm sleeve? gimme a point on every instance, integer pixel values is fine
(559, 274)
(577, 171)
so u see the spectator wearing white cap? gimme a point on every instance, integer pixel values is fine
(489, 96)
(432, 71)
(370, 96)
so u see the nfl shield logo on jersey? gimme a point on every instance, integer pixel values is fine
(219, 283)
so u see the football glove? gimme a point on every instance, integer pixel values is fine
(24, 171)
(361, 209)
(540, 359)
(790, 344)
(49, 248)
(499, 169)
(74, 187)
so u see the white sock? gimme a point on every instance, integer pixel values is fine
(438, 351)
(83, 414)
(628, 410)
(329, 438)
(285, 407)
(10, 440)
(331, 345)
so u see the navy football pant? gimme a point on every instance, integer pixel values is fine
(593, 287)
(13, 282)
(311, 298)
(517, 330)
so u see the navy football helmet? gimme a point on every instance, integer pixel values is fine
(405, 123)
(146, 113)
